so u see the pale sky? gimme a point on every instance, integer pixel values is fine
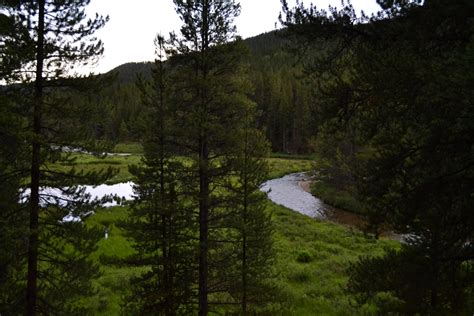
(133, 25)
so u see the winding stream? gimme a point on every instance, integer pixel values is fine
(292, 191)
(288, 192)
(284, 191)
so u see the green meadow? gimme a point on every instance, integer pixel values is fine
(312, 256)
(87, 163)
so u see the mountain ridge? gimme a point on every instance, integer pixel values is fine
(261, 45)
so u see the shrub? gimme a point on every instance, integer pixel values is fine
(303, 257)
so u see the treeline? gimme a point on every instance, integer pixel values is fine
(283, 101)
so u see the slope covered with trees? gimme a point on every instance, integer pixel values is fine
(283, 101)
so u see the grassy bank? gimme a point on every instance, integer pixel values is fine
(311, 256)
(89, 163)
(312, 259)
(129, 148)
(280, 167)
(292, 156)
(341, 199)
(84, 162)
(115, 279)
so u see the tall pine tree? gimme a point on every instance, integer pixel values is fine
(253, 252)
(209, 102)
(52, 37)
(199, 219)
(12, 218)
(208, 109)
(160, 224)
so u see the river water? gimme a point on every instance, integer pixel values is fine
(284, 191)
(288, 192)
(117, 192)
(291, 191)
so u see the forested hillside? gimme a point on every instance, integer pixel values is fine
(283, 101)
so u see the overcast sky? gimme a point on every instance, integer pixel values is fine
(133, 25)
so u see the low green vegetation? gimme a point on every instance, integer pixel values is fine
(292, 156)
(341, 199)
(128, 148)
(88, 163)
(312, 261)
(85, 162)
(114, 281)
(311, 266)
(280, 167)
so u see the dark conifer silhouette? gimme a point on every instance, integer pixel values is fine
(48, 39)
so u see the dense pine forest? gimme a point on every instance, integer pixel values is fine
(324, 168)
(283, 100)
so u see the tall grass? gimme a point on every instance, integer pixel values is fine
(84, 162)
(313, 286)
(316, 284)
(131, 148)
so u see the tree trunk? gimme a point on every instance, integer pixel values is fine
(33, 242)
(203, 229)
(244, 274)
(435, 272)
(244, 237)
(204, 179)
